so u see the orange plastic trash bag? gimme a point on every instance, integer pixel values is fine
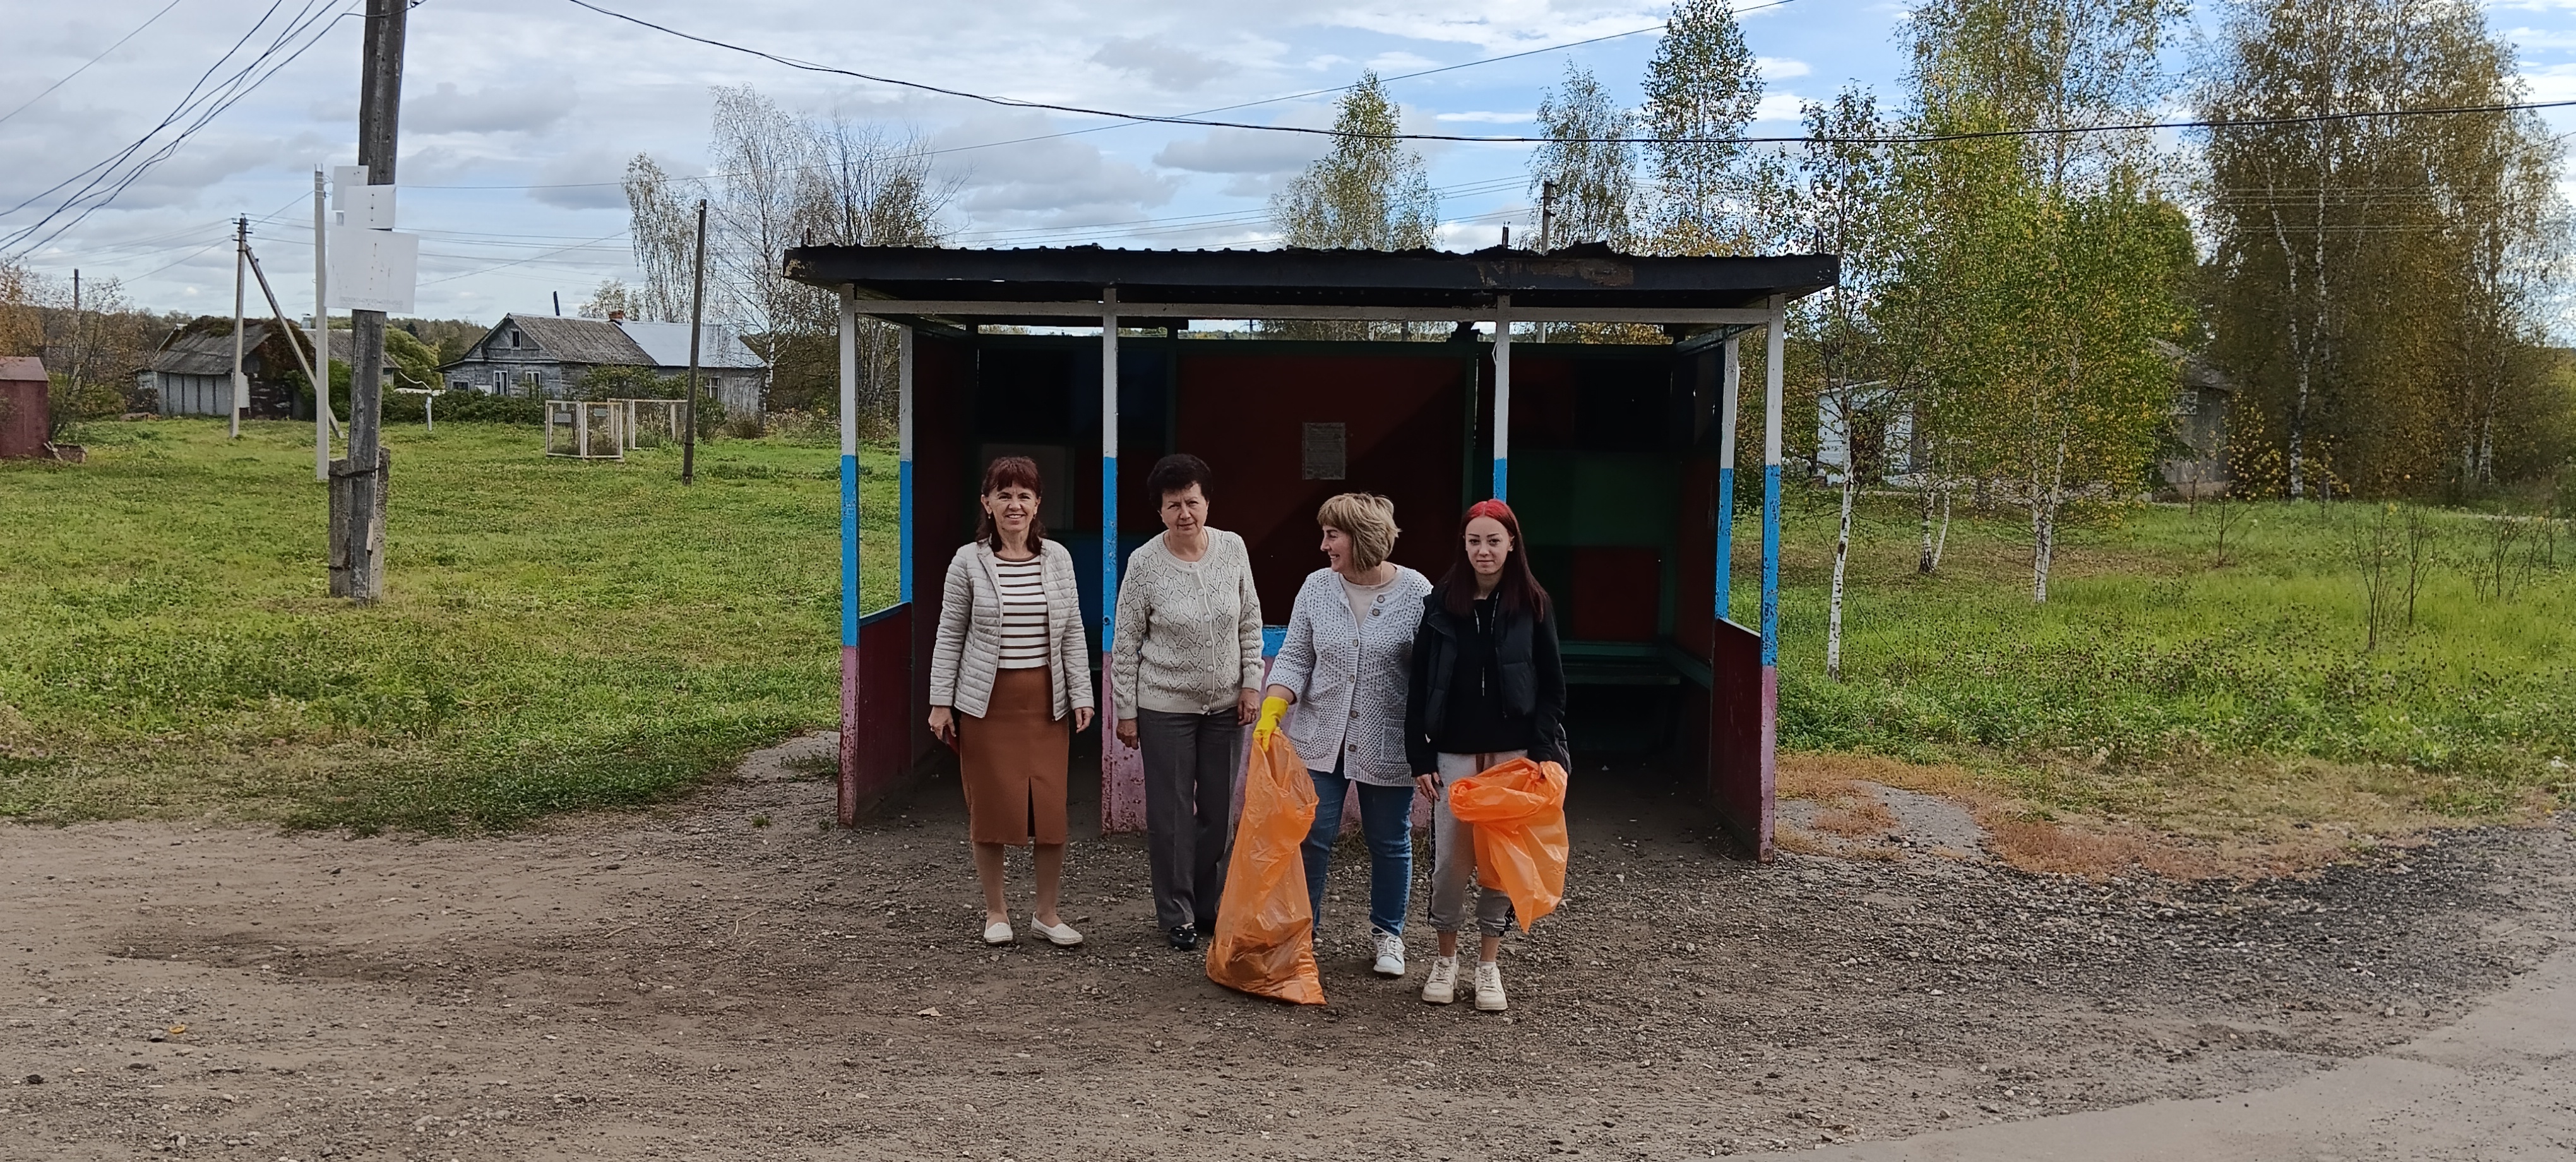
(1265, 925)
(1518, 812)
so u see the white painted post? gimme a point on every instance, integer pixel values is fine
(1502, 397)
(321, 338)
(903, 464)
(1730, 377)
(1122, 768)
(241, 263)
(1771, 566)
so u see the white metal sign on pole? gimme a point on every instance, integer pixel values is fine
(371, 267)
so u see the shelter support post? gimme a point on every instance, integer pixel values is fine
(1122, 769)
(903, 465)
(1729, 378)
(848, 799)
(1502, 397)
(1773, 341)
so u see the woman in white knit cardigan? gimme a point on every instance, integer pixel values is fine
(1009, 666)
(1347, 663)
(1185, 672)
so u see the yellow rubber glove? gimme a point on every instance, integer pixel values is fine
(1268, 724)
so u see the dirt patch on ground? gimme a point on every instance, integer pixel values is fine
(694, 984)
(1868, 807)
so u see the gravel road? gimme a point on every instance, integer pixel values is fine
(725, 979)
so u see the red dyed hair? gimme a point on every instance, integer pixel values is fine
(1008, 472)
(1518, 591)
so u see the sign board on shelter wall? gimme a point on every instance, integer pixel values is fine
(373, 270)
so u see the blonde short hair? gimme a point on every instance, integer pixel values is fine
(1367, 519)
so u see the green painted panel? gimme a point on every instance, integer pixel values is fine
(1596, 498)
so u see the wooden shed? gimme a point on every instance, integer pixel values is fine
(1618, 456)
(25, 406)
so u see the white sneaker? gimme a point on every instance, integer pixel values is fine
(1390, 954)
(1441, 986)
(1489, 988)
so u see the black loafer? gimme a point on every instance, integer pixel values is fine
(1185, 938)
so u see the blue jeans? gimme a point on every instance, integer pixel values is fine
(1386, 821)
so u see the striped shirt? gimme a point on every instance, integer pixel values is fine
(1024, 613)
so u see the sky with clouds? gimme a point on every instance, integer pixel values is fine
(519, 116)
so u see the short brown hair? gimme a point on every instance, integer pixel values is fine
(1005, 472)
(1367, 519)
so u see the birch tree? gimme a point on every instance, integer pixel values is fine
(2053, 260)
(1838, 206)
(1591, 173)
(662, 222)
(1701, 87)
(1370, 192)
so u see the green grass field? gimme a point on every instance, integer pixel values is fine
(561, 635)
(556, 634)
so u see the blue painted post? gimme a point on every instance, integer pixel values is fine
(1729, 376)
(1771, 569)
(1502, 397)
(849, 748)
(903, 468)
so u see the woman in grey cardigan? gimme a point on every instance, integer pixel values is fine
(1346, 664)
(1009, 666)
(1185, 672)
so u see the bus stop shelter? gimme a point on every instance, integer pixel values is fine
(1620, 457)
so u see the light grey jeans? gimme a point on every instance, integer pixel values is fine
(1453, 856)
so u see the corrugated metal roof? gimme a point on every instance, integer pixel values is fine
(1588, 275)
(668, 345)
(579, 340)
(205, 346)
(24, 367)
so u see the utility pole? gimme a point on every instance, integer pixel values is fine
(697, 311)
(241, 260)
(80, 334)
(357, 512)
(1546, 222)
(322, 421)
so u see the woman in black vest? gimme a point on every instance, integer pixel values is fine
(1488, 686)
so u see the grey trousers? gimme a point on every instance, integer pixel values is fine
(1189, 762)
(1453, 856)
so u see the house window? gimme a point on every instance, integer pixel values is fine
(532, 383)
(500, 382)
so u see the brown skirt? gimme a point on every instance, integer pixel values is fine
(1012, 760)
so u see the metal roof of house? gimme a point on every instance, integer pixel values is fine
(576, 340)
(668, 345)
(1589, 278)
(24, 367)
(204, 346)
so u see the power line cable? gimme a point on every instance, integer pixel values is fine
(67, 77)
(1491, 139)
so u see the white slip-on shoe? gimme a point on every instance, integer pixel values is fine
(1390, 953)
(1489, 988)
(1441, 986)
(997, 932)
(1060, 935)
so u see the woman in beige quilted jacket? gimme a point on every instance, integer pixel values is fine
(1010, 666)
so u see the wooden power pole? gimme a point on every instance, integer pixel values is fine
(359, 483)
(697, 312)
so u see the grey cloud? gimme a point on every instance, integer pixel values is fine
(1167, 66)
(526, 108)
(1045, 181)
(1242, 151)
(571, 182)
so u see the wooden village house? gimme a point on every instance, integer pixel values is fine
(546, 356)
(191, 372)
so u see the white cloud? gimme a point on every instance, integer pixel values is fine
(1047, 181)
(1167, 66)
(1523, 117)
(527, 108)
(1778, 107)
(1242, 151)
(1780, 68)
